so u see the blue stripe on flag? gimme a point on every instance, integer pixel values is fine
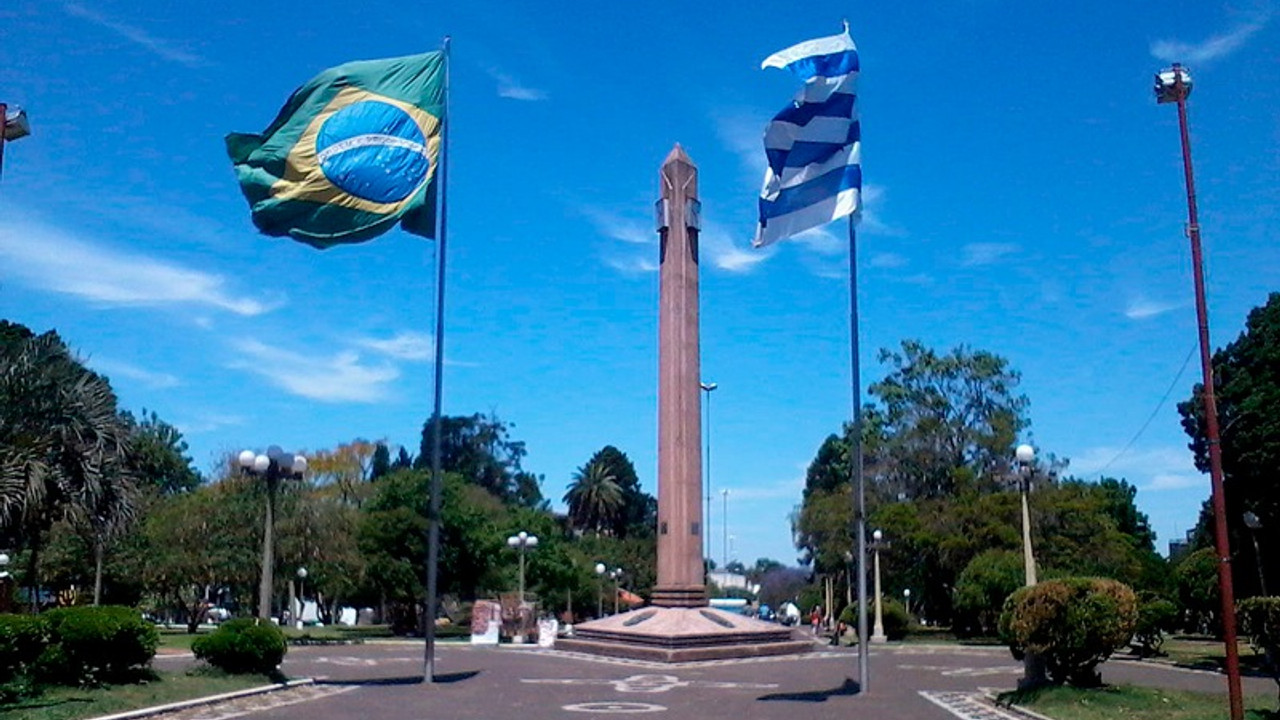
(814, 191)
(838, 105)
(806, 153)
(841, 63)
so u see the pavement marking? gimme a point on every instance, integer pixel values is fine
(648, 683)
(352, 661)
(614, 707)
(949, 671)
(968, 706)
(258, 703)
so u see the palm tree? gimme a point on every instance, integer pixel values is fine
(594, 498)
(62, 446)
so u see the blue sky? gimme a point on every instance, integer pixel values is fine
(1024, 195)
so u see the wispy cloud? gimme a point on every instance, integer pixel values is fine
(52, 259)
(1141, 308)
(338, 378)
(716, 244)
(208, 422)
(119, 369)
(789, 489)
(887, 260)
(822, 241)
(1154, 469)
(617, 227)
(631, 264)
(510, 87)
(402, 346)
(976, 254)
(138, 36)
(1213, 47)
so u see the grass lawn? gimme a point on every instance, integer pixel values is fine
(60, 703)
(1137, 703)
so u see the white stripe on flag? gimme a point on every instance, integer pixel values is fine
(791, 177)
(845, 203)
(820, 88)
(809, 48)
(782, 135)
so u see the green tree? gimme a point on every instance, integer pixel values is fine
(595, 499)
(638, 515)
(1198, 592)
(158, 455)
(950, 420)
(479, 448)
(983, 586)
(63, 446)
(381, 463)
(1247, 389)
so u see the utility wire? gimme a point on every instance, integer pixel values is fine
(1154, 412)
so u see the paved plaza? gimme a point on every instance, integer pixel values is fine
(378, 681)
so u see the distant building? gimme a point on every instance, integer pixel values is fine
(726, 580)
(1178, 549)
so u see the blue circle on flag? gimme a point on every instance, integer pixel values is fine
(374, 151)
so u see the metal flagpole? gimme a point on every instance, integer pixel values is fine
(855, 458)
(433, 512)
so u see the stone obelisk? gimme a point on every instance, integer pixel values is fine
(680, 531)
(679, 627)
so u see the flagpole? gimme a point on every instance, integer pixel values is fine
(433, 512)
(855, 458)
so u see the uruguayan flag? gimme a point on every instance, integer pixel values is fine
(813, 145)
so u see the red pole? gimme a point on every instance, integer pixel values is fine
(4, 113)
(1211, 419)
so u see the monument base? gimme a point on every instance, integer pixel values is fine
(683, 634)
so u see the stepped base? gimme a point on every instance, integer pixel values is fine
(682, 634)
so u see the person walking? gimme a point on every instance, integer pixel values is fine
(815, 618)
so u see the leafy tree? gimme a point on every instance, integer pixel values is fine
(1197, 577)
(638, 514)
(1247, 389)
(403, 461)
(158, 455)
(381, 463)
(479, 448)
(983, 586)
(595, 499)
(63, 447)
(944, 414)
(344, 471)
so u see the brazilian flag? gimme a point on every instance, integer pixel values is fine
(353, 151)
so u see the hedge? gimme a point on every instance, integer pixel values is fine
(243, 645)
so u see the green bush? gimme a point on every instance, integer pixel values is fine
(92, 645)
(981, 590)
(1071, 624)
(892, 613)
(1259, 619)
(243, 645)
(22, 639)
(1156, 616)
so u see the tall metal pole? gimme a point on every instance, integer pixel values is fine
(433, 512)
(4, 115)
(1210, 415)
(707, 388)
(1028, 559)
(724, 520)
(268, 549)
(855, 462)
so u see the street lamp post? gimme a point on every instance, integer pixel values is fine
(13, 126)
(1033, 669)
(6, 585)
(906, 600)
(1026, 455)
(877, 542)
(273, 467)
(1252, 522)
(520, 542)
(707, 387)
(1174, 86)
(302, 595)
(600, 568)
(616, 574)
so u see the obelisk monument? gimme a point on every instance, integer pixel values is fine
(679, 626)
(680, 532)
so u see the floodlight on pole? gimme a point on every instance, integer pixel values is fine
(273, 467)
(13, 126)
(1173, 85)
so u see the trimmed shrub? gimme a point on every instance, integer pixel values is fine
(242, 646)
(986, 582)
(1071, 624)
(22, 639)
(1156, 616)
(892, 613)
(1259, 619)
(92, 645)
